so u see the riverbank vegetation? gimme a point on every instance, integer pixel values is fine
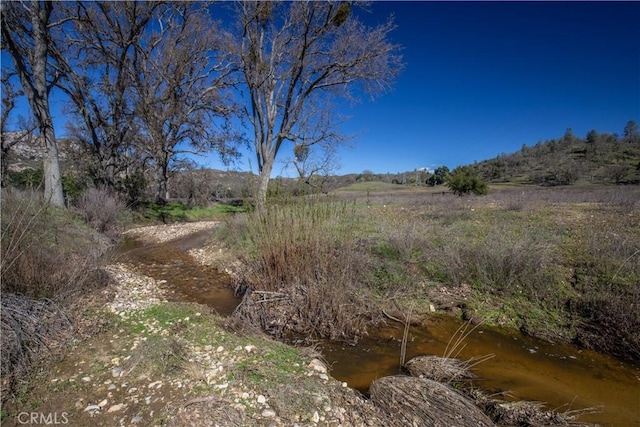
(562, 263)
(51, 260)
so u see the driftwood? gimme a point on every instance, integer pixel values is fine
(410, 401)
(441, 369)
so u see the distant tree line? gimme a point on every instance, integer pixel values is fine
(596, 158)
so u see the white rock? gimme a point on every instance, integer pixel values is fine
(103, 403)
(316, 417)
(317, 366)
(262, 399)
(92, 408)
(268, 413)
(324, 377)
(249, 348)
(115, 408)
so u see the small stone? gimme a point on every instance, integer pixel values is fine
(103, 403)
(86, 379)
(262, 399)
(115, 408)
(116, 372)
(111, 387)
(92, 408)
(316, 417)
(324, 377)
(317, 366)
(268, 413)
(249, 348)
(432, 308)
(344, 384)
(220, 349)
(155, 384)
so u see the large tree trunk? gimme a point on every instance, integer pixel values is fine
(263, 186)
(39, 101)
(51, 167)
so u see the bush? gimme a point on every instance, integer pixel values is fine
(47, 260)
(303, 257)
(46, 252)
(465, 180)
(102, 209)
(28, 178)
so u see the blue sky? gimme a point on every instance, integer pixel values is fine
(484, 78)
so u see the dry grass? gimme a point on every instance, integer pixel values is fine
(305, 271)
(48, 260)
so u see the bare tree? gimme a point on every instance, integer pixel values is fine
(179, 79)
(26, 35)
(294, 58)
(101, 46)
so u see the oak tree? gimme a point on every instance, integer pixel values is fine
(294, 59)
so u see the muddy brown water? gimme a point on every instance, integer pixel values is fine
(562, 376)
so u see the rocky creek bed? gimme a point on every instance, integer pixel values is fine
(156, 362)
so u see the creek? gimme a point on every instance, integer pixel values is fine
(562, 376)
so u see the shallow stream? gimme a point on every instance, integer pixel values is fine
(564, 377)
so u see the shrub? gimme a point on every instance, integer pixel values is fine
(102, 209)
(28, 178)
(303, 258)
(47, 260)
(465, 180)
(46, 252)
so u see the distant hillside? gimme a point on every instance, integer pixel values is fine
(598, 158)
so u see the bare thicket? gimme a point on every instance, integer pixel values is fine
(103, 209)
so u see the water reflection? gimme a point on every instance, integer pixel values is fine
(562, 376)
